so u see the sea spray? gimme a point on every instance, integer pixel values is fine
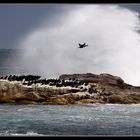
(110, 31)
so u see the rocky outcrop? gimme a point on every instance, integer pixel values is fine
(103, 88)
(93, 78)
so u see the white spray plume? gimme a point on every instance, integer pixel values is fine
(110, 31)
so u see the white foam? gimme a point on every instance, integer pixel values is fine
(7, 133)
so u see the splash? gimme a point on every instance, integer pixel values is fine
(8, 133)
(110, 31)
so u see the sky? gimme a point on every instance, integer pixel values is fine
(18, 19)
(48, 36)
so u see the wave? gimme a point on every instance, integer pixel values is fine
(7, 133)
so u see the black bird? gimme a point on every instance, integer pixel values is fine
(82, 45)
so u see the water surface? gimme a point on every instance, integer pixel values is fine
(57, 120)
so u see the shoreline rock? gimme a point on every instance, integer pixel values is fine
(103, 88)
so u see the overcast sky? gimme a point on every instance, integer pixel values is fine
(17, 20)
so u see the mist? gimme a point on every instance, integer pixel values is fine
(110, 31)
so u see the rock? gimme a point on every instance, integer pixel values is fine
(89, 101)
(103, 88)
(120, 99)
(26, 96)
(58, 101)
(26, 102)
(93, 78)
(6, 100)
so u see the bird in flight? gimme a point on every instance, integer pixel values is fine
(82, 45)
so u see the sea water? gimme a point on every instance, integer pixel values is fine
(58, 120)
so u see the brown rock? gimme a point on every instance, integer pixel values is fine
(58, 101)
(120, 99)
(101, 88)
(26, 96)
(26, 102)
(4, 98)
(93, 78)
(89, 101)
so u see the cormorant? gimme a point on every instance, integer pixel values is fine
(82, 45)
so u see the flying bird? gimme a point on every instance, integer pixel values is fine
(82, 45)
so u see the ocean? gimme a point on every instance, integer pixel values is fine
(64, 120)
(70, 120)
